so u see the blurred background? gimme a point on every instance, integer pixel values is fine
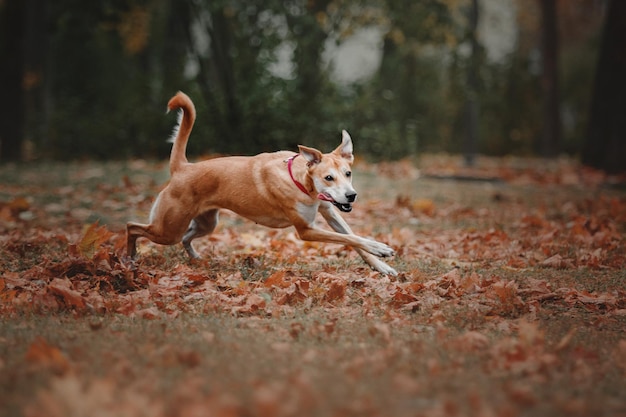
(91, 79)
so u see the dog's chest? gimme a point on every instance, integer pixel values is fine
(275, 222)
(307, 212)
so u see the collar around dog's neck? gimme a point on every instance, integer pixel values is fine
(295, 181)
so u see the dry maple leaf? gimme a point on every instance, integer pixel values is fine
(280, 279)
(295, 293)
(93, 237)
(400, 298)
(63, 288)
(557, 262)
(336, 291)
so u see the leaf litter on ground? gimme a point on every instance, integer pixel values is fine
(510, 300)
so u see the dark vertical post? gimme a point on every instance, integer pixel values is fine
(471, 91)
(605, 144)
(551, 137)
(12, 19)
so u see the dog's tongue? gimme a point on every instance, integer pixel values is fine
(324, 197)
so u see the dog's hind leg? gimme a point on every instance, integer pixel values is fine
(167, 225)
(149, 231)
(202, 225)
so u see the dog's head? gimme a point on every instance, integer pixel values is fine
(332, 174)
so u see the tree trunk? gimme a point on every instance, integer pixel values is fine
(605, 145)
(310, 38)
(35, 74)
(471, 91)
(551, 137)
(12, 19)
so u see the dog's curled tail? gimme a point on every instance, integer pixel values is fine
(180, 135)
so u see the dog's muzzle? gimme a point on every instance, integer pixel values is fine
(345, 207)
(348, 206)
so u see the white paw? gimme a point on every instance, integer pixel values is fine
(383, 268)
(379, 249)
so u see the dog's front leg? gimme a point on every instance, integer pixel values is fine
(371, 246)
(339, 225)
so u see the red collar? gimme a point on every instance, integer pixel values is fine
(295, 181)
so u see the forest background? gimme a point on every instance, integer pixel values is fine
(91, 79)
(511, 293)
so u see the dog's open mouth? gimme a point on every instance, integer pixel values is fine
(345, 207)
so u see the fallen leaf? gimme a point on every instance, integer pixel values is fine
(91, 240)
(43, 354)
(565, 340)
(280, 279)
(471, 341)
(336, 291)
(150, 313)
(63, 288)
(557, 262)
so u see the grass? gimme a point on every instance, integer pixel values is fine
(315, 363)
(490, 350)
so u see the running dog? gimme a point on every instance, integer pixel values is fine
(277, 189)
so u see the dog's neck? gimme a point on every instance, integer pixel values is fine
(300, 186)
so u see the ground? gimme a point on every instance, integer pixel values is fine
(511, 299)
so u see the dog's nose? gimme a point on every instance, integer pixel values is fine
(351, 197)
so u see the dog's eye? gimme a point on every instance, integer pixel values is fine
(348, 174)
(328, 178)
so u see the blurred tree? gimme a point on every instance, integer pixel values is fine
(580, 29)
(232, 44)
(605, 145)
(551, 136)
(250, 108)
(90, 79)
(109, 83)
(12, 31)
(408, 92)
(471, 101)
(34, 84)
(514, 106)
(309, 36)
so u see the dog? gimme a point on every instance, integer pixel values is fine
(277, 190)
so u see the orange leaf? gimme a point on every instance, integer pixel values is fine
(280, 279)
(294, 294)
(401, 298)
(336, 291)
(8, 296)
(42, 353)
(91, 240)
(63, 288)
(10, 211)
(424, 205)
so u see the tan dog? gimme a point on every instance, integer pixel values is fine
(273, 189)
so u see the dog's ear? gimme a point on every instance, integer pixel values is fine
(311, 155)
(345, 149)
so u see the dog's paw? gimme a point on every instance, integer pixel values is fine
(380, 249)
(383, 268)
